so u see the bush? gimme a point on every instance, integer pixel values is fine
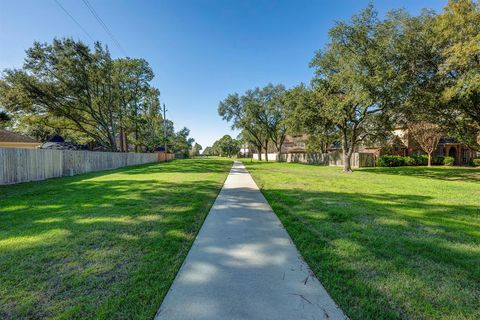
(421, 160)
(390, 161)
(476, 162)
(410, 161)
(449, 161)
(439, 160)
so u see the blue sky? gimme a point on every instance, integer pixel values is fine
(200, 50)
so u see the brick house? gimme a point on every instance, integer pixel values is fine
(404, 144)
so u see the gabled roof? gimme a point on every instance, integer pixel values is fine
(8, 136)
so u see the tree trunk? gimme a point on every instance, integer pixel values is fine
(122, 142)
(346, 153)
(347, 157)
(429, 159)
(260, 154)
(136, 138)
(266, 150)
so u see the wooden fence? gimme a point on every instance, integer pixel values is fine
(21, 165)
(324, 159)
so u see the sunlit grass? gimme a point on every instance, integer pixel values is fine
(387, 243)
(104, 245)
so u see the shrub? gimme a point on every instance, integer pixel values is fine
(439, 160)
(390, 161)
(476, 162)
(410, 161)
(421, 160)
(449, 161)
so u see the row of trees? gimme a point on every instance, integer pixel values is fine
(374, 75)
(83, 94)
(226, 146)
(259, 114)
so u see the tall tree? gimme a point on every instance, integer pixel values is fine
(208, 151)
(181, 142)
(304, 115)
(227, 146)
(132, 79)
(66, 79)
(196, 149)
(458, 37)
(275, 114)
(348, 79)
(243, 112)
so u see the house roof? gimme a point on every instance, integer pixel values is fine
(62, 146)
(8, 136)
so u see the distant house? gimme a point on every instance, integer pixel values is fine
(402, 144)
(405, 145)
(295, 144)
(10, 139)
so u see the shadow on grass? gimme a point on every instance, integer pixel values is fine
(442, 173)
(103, 244)
(181, 166)
(379, 259)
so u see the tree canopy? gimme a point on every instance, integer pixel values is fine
(81, 93)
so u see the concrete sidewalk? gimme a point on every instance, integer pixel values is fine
(243, 265)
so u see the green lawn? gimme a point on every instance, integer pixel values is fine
(104, 245)
(387, 243)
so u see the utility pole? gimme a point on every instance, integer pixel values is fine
(165, 129)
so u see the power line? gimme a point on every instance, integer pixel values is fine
(104, 26)
(74, 20)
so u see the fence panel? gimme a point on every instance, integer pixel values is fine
(21, 165)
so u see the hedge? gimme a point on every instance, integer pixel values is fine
(421, 160)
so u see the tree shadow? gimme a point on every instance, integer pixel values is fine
(379, 258)
(101, 244)
(199, 165)
(441, 173)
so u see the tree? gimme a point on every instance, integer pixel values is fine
(181, 142)
(427, 135)
(304, 114)
(208, 151)
(132, 82)
(67, 80)
(350, 79)
(150, 133)
(196, 150)
(457, 32)
(5, 119)
(243, 113)
(83, 94)
(226, 146)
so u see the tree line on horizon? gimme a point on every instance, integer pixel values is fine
(67, 88)
(375, 74)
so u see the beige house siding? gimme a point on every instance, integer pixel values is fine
(23, 145)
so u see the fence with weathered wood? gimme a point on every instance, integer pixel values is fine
(359, 159)
(21, 165)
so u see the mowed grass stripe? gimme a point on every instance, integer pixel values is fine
(104, 245)
(387, 243)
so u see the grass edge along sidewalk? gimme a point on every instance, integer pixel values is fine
(102, 245)
(387, 243)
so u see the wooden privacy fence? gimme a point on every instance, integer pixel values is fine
(21, 165)
(325, 159)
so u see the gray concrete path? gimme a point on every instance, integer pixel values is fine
(243, 265)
